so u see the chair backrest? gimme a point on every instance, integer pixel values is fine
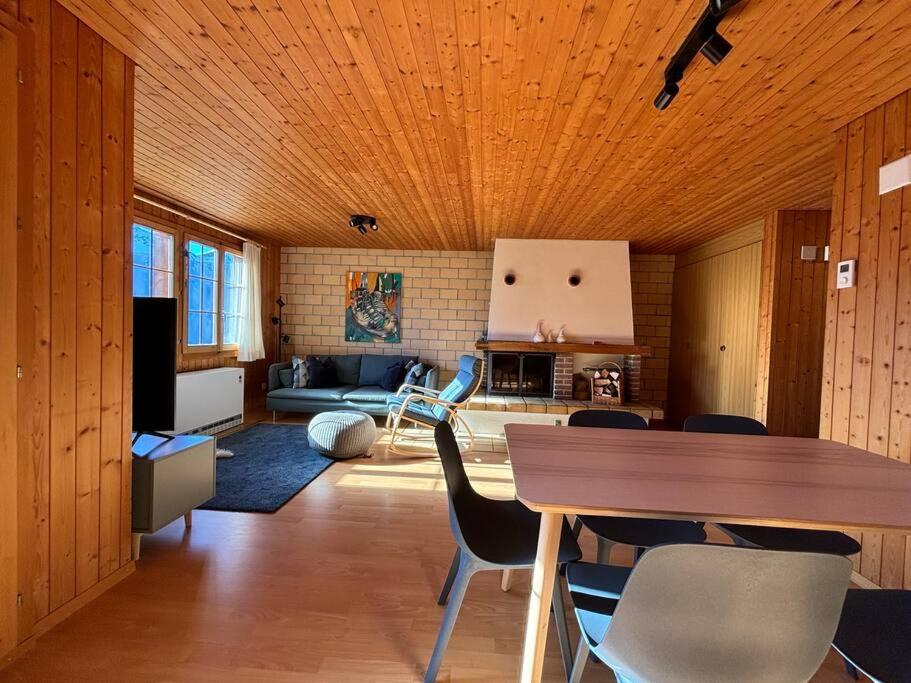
(612, 419)
(462, 386)
(724, 424)
(712, 613)
(466, 506)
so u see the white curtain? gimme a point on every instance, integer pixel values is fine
(250, 344)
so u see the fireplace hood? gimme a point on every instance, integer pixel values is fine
(583, 285)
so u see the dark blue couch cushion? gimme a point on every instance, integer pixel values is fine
(367, 393)
(326, 394)
(348, 367)
(373, 367)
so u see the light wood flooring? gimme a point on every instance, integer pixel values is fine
(338, 585)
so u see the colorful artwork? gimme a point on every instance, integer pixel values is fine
(373, 304)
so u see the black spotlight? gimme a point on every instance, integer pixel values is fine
(280, 302)
(666, 96)
(361, 223)
(715, 49)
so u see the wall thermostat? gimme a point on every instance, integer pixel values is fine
(847, 271)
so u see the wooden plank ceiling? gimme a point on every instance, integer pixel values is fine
(458, 121)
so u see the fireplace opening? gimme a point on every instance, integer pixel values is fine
(520, 374)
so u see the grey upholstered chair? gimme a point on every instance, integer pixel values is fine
(688, 613)
(422, 407)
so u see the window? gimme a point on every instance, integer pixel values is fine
(232, 297)
(153, 262)
(202, 294)
(214, 291)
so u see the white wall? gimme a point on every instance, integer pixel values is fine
(599, 309)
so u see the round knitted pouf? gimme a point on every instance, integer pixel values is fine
(341, 434)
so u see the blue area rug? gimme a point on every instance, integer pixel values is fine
(271, 464)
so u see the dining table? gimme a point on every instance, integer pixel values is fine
(723, 478)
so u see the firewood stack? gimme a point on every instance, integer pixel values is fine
(607, 384)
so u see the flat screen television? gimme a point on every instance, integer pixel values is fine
(154, 364)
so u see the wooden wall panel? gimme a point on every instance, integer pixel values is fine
(867, 358)
(716, 304)
(254, 372)
(34, 323)
(64, 29)
(791, 323)
(9, 197)
(73, 499)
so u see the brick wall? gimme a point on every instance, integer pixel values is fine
(652, 278)
(563, 375)
(445, 302)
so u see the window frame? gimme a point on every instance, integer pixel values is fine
(221, 292)
(175, 241)
(185, 291)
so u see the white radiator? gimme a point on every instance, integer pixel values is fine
(209, 401)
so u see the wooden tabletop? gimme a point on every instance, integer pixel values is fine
(779, 481)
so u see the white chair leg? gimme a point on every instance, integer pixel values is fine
(506, 581)
(579, 663)
(604, 548)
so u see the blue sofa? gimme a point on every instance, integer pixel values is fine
(359, 385)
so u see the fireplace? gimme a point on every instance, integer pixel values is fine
(520, 374)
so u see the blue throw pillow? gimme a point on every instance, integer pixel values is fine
(322, 373)
(392, 378)
(413, 374)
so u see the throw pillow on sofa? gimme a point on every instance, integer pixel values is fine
(286, 377)
(322, 373)
(413, 374)
(300, 377)
(392, 378)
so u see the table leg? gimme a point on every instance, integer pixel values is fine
(542, 585)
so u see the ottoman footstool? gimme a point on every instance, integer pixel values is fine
(341, 434)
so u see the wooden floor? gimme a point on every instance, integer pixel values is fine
(338, 585)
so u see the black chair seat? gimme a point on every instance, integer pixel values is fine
(874, 631)
(506, 533)
(800, 540)
(643, 533)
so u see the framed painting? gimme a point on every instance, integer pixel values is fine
(373, 306)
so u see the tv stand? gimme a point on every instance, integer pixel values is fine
(169, 480)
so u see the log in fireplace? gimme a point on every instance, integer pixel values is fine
(520, 374)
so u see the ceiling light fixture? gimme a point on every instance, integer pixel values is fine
(362, 222)
(704, 38)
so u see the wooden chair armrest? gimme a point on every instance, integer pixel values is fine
(416, 387)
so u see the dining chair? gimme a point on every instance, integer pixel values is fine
(639, 533)
(490, 535)
(687, 613)
(873, 634)
(771, 538)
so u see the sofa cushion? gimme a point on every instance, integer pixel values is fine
(392, 378)
(348, 367)
(322, 373)
(371, 392)
(286, 377)
(414, 373)
(300, 377)
(325, 394)
(373, 367)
